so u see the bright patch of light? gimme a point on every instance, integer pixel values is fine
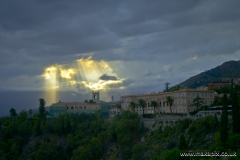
(49, 72)
(84, 74)
(100, 84)
(72, 82)
(55, 87)
(67, 73)
(51, 84)
(194, 58)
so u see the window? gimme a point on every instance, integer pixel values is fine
(160, 104)
(84, 107)
(72, 107)
(67, 107)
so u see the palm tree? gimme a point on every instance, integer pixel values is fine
(154, 104)
(170, 102)
(142, 103)
(132, 105)
(198, 101)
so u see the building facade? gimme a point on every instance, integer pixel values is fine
(182, 101)
(218, 85)
(73, 107)
(107, 109)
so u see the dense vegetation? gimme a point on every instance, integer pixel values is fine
(90, 137)
(70, 136)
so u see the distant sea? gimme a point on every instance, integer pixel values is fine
(25, 100)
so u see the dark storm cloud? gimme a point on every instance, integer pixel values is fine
(107, 77)
(46, 29)
(156, 38)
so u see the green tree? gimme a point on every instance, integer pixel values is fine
(170, 102)
(198, 101)
(91, 101)
(235, 113)
(23, 113)
(132, 105)
(231, 88)
(50, 150)
(30, 112)
(173, 154)
(37, 128)
(138, 151)
(167, 86)
(154, 105)
(41, 108)
(182, 145)
(142, 103)
(224, 120)
(13, 112)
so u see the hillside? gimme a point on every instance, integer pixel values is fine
(81, 137)
(226, 70)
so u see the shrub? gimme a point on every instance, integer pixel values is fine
(149, 115)
(153, 125)
(193, 112)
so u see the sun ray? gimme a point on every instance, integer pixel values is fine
(51, 84)
(81, 75)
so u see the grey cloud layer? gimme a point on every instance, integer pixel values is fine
(35, 34)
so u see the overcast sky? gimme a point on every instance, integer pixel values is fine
(135, 46)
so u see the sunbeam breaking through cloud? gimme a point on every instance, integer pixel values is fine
(80, 75)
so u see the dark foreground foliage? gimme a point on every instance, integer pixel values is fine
(81, 137)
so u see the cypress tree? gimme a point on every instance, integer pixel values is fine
(224, 120)
(41, 108)
(37, 128)
(231, 92)
(235, 113)
(182, 145)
